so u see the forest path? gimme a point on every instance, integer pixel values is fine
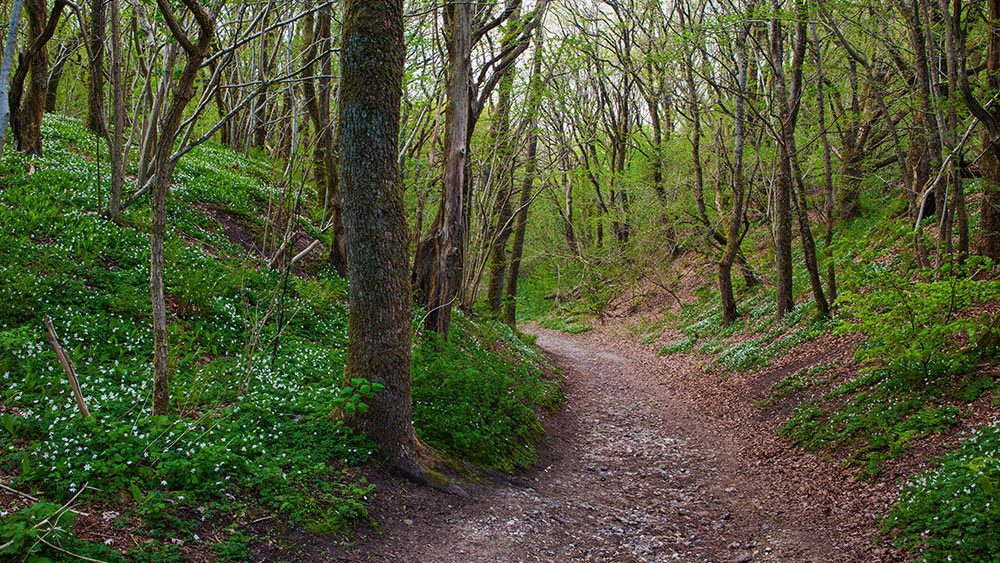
(628, 472)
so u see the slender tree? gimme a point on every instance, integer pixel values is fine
(163, 168)
(531, 163)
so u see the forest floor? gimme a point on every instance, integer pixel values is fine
(639, 466)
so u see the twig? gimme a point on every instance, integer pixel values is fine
(57, 515)
(36, 499)
(259, 520)
(19, 493)
(67, 367)
(281, 250)
(70, 553)
(308, 249)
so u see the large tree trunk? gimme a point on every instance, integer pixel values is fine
(163, 168)
(439, 260)
(377, 232)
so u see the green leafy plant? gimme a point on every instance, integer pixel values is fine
(352, 398)
(677, 346)
(912, 320)
(952, 512)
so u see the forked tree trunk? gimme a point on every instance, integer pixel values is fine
(790, 107)
(28, 109)
(56, 73)
(439, 259)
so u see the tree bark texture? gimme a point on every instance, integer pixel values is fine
(374, 217)
(439, 260)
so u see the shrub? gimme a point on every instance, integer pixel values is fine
(914, 326)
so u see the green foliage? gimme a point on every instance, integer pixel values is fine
(952, 512)
(805, 378)
(566, 324)
(701, 324)
(471, 402)
(878, 414)
(352, 398)
(24, 531)
(43, 533)
(920, 358)
(677, 346)
(916, 326)
(257, 360)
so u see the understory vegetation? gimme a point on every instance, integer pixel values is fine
(918, 370)
(257, 371)
(287, 247)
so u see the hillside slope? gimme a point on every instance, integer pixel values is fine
(249, 459)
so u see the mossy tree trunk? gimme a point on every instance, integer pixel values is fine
(503, 171)
(374, 217)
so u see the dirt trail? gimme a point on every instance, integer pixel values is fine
(628, 472)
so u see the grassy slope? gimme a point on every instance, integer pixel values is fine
(256, 365)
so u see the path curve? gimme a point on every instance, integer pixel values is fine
(627, 473)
